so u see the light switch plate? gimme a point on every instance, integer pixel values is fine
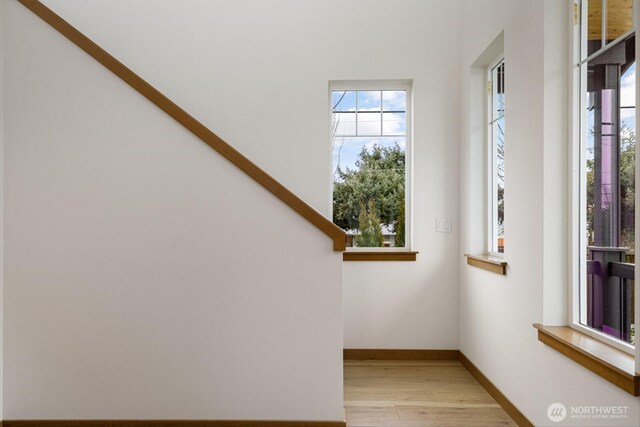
(443, 225)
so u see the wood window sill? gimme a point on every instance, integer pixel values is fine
(612, 364)
(486, 262)
(379, 256)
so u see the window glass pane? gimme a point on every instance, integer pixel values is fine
(594, 26)
(627, 178)
(590, 158)
(627, 155)
(497, 144)
(369, 189)
(499, 170)
(344, 124)
(369, 100)
(394, 100)
(627, 94)
(619, 18)
(347, 151)
(343, 100)
(369, 178)
(394, 123)
(369, 123)
(610, 145)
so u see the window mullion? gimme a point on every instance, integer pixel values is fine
(636, 20)
(381, 115)
(356, 116)
(603, 32)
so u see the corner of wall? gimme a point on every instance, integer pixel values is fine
(556, 156)
(1, 206)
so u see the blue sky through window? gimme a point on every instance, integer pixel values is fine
(628, 97)
(362, 119)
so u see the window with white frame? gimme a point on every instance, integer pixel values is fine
(370, 137)
(604, 248)
(495, 161)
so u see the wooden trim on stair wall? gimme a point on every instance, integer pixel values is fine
(379, 256)
(189, 122)
(502, 400)
(170, 423)
(409, 354)
(394, 354)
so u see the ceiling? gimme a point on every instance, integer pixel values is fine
(619, 18)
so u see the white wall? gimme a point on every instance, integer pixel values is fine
(91, 189)
(496, 312)
(145, 276)
(414, 304)
(257, 73)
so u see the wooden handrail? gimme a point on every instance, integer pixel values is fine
(185, 119)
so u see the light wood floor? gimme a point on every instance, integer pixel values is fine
(417, 394)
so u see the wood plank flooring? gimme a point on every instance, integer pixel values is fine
(417, 394)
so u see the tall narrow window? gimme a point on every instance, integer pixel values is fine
(370, 139)
(606, 67)
(495, 86)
